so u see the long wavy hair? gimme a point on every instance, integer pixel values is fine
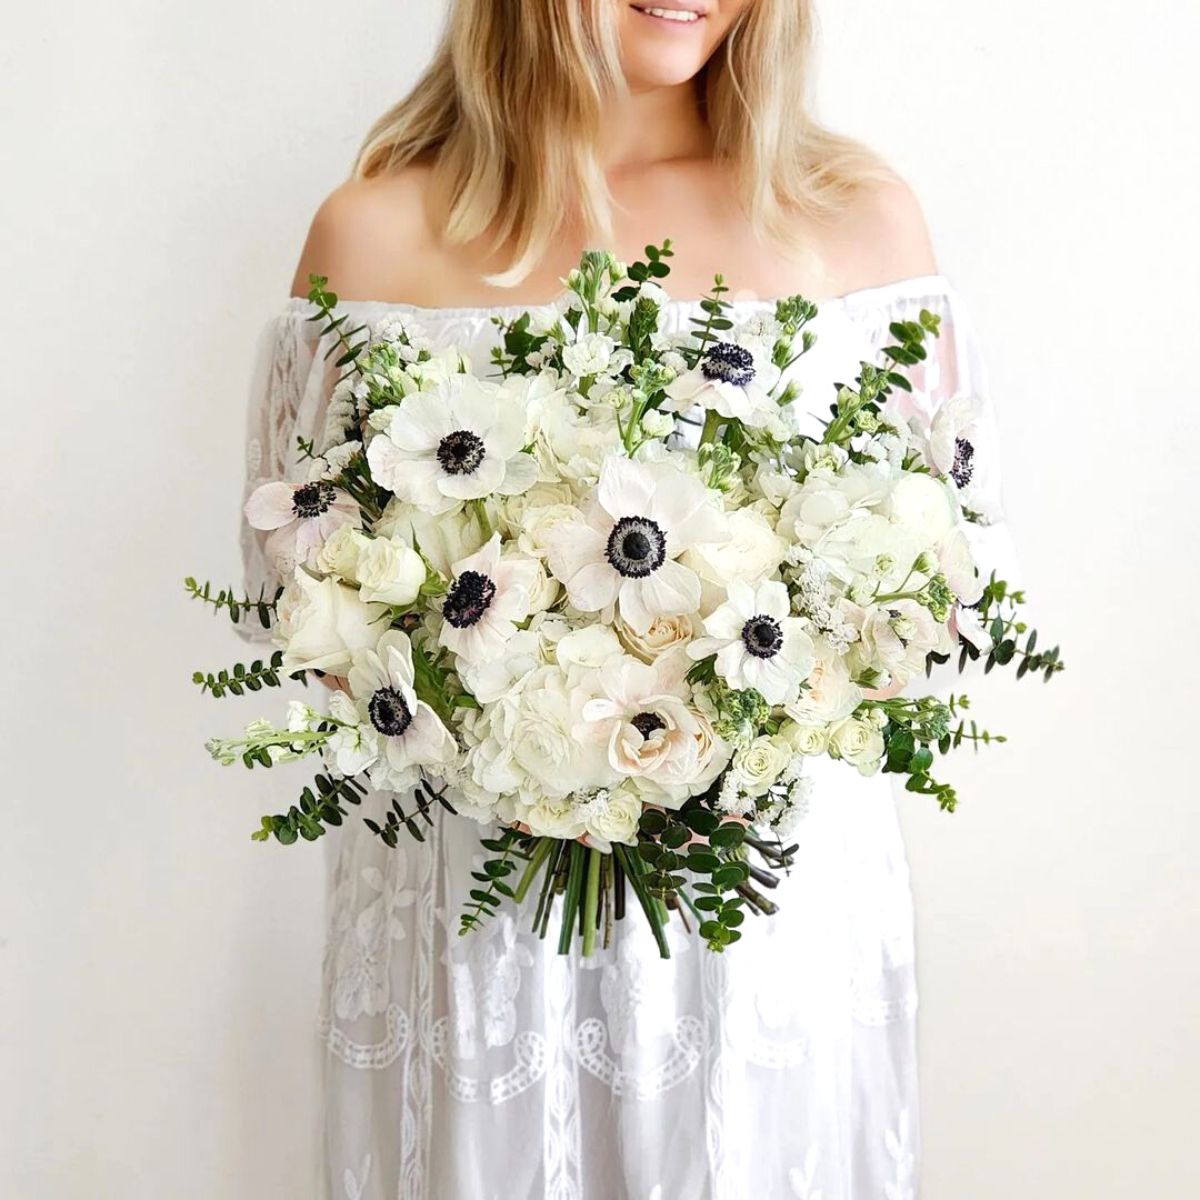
(510, 110)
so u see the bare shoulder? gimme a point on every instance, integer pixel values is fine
(370, 237)
(881, 237)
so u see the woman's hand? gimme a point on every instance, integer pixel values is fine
(335, 683)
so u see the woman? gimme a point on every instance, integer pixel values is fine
(489, 1067)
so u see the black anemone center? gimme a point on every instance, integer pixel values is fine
(312, 499)
(728, 363)
(636, 547)
(647, 723)
(964, 462)
(389, 712)
(460, 452)
(469, 597)
(762, 636)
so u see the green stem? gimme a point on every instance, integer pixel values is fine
(631, 861)
(540, 854)
(708, 434)
(591, 902)
(571, 897)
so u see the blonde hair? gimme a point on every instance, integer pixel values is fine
(509, 114)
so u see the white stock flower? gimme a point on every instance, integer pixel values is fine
(589, 354)
(404, 733)
(644, 517)
(461, 441)
(757, 642)
(322, 623)
(487, 596)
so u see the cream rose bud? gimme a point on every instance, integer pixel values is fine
(761, 763)
(544, 590)
(339, 555)
(533, 537)
(809, 740)
(859, 743)
(389, 571)
(322, 623)
(665, 634)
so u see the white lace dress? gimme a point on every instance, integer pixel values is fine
(490, 1068)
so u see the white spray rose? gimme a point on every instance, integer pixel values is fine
(859, 743)
(761, 763)
(322, 623)
(389, 571)
(664, 635)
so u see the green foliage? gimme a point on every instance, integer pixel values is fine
(313, 813)
(241, 678)
(237, 607)
(424, 800)
(493, 880)
(350, 340)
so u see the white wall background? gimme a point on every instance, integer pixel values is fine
(158, 972)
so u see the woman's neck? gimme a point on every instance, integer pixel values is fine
(654, 125)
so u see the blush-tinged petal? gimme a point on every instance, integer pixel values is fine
(270, 506)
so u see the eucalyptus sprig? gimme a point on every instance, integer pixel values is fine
(325, 302)
(240, 678)
(227, 600)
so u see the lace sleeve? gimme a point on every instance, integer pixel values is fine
(289, 391)
(952, 403)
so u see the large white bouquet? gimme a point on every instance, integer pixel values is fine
(609, 597)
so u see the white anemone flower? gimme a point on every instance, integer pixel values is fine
(758, 643)
(733, 379)
(645, 515)
(396, 734)
(301, 516)
(461, 441)
(488, 596)
(652, 735)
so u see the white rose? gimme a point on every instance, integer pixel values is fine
(829, 694)
(444, 539)
(859, 743)
(807, 739)
(339, 555)
(322, 623)
(761, 763)
(389, 571)
(590, 647)
(617, 819)
(538, 523)
(665, 634)
(544, 590)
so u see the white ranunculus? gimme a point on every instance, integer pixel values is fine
(590, 647)
(752, 553)
(538, 524)
(858, 742)
(922, 506)
(322, 623)
(388, 571)
(761, 763)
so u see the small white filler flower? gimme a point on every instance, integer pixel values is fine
(460, 442)
(758, 643)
